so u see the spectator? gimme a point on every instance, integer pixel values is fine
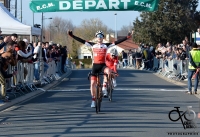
(36, 62)
(182, 54)
(14, 37)
(48, 51)
(138, 57)
(4, 41)
(124, 59)
(9, 55)
(55, 57)
(6, 59)
(146, 57)
(45, 59)
(133, 58)
(28, 45)
(194, 59)
(64, 57)
(81, 64)
(23, 56)
(130, 61)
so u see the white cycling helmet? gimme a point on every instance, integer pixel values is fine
(114, 52)
(99, 32)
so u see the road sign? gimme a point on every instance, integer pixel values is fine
(198, 38)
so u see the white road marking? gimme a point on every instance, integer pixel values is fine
(124, 89)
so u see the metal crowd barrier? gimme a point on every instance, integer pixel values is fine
(171, 68)
(130, 61)
(19, 85)
(70, 64)
(52, 69)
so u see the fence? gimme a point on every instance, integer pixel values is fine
(23, 82)
(173, 69)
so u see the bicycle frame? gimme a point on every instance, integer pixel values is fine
(98, 96)
(110, 86)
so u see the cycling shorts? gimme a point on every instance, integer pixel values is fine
(97, 68)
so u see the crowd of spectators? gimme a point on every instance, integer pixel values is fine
(13, 50)
(144, 55)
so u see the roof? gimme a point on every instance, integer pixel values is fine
(128, 44)
(9, 24)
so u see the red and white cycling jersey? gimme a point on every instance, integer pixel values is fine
(111, 62)
(99, 52)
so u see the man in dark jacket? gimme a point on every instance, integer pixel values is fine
(64, 57)
(124, 59)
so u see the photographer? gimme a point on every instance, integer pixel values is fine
(6, 59)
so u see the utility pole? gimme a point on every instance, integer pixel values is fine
(15, 8)
(21, 10)
(33, 18)
(7, 4)
(116, 29)
(41, 28)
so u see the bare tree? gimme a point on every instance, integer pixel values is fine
(125, 29)
(58, 28)
(88, 28)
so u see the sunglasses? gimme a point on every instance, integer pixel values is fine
(99, 36)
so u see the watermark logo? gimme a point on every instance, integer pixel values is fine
(187, 117)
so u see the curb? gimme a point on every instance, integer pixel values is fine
(33, 94)
(171, 80)
(177, 83)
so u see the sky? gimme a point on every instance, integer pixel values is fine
(123, 18)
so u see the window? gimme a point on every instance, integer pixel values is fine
(87, 57)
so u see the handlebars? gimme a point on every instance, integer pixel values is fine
(101, 73)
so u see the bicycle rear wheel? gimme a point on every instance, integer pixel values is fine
(110, 90)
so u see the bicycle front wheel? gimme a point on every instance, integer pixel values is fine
(97, 100)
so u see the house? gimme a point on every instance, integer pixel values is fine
(86, 52)
(127, 45)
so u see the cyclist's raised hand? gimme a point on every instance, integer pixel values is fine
(131, 33)
(70, 32)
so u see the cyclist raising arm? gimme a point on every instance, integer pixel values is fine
(99, 50)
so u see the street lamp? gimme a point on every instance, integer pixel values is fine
(21, 10)
(115, 26)
(50, 32)
(42, 26)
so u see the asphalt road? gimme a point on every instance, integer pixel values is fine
(140, 108)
